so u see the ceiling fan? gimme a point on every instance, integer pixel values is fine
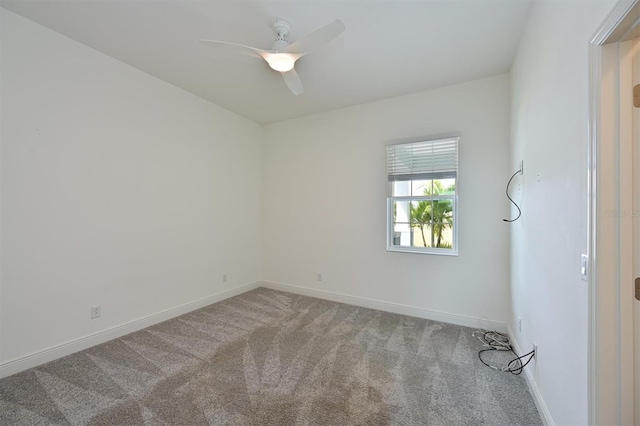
(283, 56)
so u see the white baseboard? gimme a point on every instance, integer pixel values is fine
(396, 308)
(531, 383)
(29, 361)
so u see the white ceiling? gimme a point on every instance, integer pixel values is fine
(390, 47)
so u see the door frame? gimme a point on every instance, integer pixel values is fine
(610, 352)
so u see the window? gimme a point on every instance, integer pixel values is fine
(422, 196)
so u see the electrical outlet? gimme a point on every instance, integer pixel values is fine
(319, 276)
(224, 278)
(520, 324)
(96, 312)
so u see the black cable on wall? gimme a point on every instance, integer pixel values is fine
(511, 199)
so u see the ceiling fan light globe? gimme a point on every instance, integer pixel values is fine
(281, 62)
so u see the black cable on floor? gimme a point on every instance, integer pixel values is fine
(500, 342)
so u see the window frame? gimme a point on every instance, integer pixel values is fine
(409, 198)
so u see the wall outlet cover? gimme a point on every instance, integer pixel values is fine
(96, 312)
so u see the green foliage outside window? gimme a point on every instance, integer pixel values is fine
(434, 214)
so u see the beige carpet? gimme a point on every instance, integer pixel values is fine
(274, 358)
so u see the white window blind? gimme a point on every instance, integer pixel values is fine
(435, 159)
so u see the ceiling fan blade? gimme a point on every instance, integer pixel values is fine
(318, 37)
(293, 81)
(235, 47)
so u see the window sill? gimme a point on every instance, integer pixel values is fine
(418, 251)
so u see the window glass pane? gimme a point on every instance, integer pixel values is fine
(421, 212)
(442, 211)
(400, 188)
(420, 187)
(443, 187)
(446, 186)
(422, 235)
(443, 235)
(443, 224)
(401, 235)
(401, 211)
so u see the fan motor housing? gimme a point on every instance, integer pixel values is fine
(282, 28)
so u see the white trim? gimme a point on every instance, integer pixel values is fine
(439, 252)
(32, 360)
(614, 27)
(543, 410)
(607, 385)
(396, 308)
(628, 50)
(595, 76)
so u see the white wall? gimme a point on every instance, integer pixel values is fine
(549, 132)
(324, 180)
(1, 132)
(117, 189)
